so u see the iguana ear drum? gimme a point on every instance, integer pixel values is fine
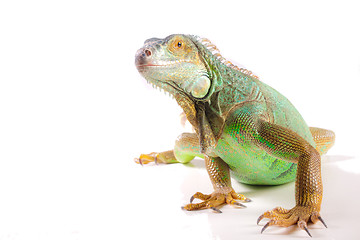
(200, 87)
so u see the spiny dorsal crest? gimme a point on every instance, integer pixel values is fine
(215, 51)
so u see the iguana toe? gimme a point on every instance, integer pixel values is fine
(146, 158)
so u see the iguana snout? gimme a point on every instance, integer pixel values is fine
(144, 56)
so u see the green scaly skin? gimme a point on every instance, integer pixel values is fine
(242, 126)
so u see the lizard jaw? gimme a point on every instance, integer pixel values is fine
(161, 64)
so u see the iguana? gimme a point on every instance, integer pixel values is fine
(242, 126)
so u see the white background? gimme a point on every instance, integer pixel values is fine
(74, 112)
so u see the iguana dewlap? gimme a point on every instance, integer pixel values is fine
(242, 126)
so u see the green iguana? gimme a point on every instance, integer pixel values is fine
(242, 126)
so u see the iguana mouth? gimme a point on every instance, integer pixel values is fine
(150, 65)
(167, 64)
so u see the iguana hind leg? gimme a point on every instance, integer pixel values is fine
(323, 138)
(186, 148)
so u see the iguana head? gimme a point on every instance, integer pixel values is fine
(175, 65)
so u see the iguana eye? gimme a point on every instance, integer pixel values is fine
(179, 44)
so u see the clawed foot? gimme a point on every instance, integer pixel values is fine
(298, 215)
(215, 199)
(157, 157)
(147, 158)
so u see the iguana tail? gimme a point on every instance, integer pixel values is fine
(323, 138)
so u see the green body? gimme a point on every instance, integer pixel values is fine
(256, 165)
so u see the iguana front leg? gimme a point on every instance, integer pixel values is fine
(288, 145)
(223, 193)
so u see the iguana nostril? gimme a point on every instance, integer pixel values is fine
(147, 52)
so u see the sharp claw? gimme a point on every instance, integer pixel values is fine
(259, 219)
(139, 161)
(248, 200)
(239, 204)
(155, 159)
(307, 230)
(265, 227)
(192, 199)
(216, 210)
(322, 221)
